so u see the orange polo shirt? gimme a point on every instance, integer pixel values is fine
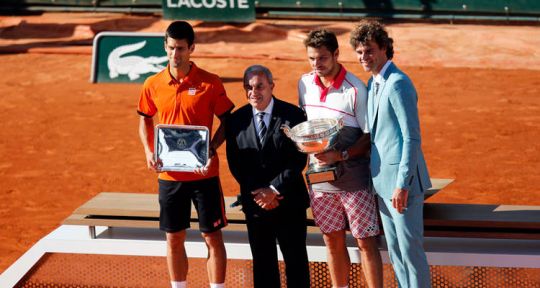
(193, 101)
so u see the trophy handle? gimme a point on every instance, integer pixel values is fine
(287, 130)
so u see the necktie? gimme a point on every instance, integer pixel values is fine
(376, 88)
(262, 126)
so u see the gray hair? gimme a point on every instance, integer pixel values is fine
(257, 69)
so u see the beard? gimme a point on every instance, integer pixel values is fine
(323, 73)
(174, 64)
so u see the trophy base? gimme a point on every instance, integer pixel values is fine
(321, 174)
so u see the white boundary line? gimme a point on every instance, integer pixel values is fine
(151, 242)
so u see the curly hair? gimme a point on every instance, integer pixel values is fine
(322, 38)
(371, 30)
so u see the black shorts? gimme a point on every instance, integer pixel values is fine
(175, 204)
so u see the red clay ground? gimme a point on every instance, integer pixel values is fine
(64, 140)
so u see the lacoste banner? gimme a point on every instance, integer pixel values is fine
(127, 56)
(210, 10)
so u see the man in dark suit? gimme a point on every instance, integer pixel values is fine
(268, 168)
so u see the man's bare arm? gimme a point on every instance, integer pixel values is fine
(146, 135)
(359, 148)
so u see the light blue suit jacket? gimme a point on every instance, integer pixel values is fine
(397, 160)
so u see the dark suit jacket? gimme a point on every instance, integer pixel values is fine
(276, 163)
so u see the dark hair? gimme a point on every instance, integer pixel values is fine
(371, 30)
(255, 70)
(180, 30)
(322, 38)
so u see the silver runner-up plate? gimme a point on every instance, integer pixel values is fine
(180, 147)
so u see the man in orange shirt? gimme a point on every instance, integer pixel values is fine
(185, 94)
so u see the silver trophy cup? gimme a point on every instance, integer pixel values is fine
(312, 137)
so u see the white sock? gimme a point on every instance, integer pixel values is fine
(178, 284)
(216, 285)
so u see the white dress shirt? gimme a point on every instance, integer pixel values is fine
(267, 115)
(379, 77)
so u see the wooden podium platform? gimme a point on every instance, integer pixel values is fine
(117, 209)
(114, 209)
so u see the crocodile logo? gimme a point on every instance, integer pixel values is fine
(133, 66)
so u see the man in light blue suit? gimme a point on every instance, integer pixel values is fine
(398, 168)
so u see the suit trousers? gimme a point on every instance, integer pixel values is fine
(404, 234)
(289, 231)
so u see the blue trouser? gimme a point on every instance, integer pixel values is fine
(404, 235)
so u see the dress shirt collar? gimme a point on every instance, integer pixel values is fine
(268, 109)
(379, 78)
(267, 115)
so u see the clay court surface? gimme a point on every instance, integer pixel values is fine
(63, 139)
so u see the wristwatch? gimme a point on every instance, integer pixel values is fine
(345, 155)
